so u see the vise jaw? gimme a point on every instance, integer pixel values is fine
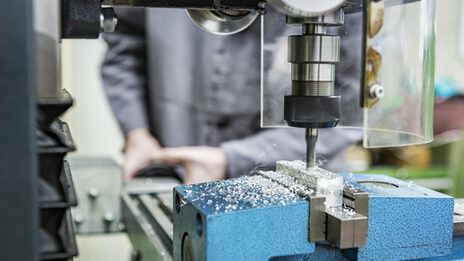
(348, 228)
(343, 224)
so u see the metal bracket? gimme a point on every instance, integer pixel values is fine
(317, 217)
(347, 226)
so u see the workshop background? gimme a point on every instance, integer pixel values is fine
(96, 132)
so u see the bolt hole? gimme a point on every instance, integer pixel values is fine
(199, 224)
(177, 204)
(187, 248)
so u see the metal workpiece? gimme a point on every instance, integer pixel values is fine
(324, 182)
(225, 22)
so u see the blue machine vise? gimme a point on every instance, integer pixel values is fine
(265, 217)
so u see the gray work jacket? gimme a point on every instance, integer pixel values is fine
(192, 88)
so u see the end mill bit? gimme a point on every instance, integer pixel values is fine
(311, 139)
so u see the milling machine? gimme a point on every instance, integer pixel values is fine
(298, 211)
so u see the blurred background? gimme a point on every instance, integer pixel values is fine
(439, 165)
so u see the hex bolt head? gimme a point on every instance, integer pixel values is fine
(109, 217)
(93, 193)
(108, 20)
(376, 91)
(78, 219)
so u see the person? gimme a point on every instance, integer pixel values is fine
(183, 96)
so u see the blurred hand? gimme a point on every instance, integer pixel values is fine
(201, 164)
(141, 150)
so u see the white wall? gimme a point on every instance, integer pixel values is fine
(450, 30)
(92, 123)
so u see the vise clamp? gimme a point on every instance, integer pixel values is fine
(289, 215)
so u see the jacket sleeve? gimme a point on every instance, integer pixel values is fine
(269, 146)
(123, 69)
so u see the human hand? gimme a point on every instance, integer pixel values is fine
(201, 164)
(141, 150)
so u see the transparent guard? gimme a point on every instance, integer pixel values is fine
(275, 68)
(405, 44)
(400, 52)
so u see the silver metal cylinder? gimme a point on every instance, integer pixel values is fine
(47, 28)
(314, 29)
(314, 88)
(313, 72)
(314, 54)
(314, 49)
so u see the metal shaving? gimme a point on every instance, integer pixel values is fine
(289, 182)
(239, 194)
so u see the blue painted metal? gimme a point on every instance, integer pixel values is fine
(457, 252)
(278, 227)
(405, 222)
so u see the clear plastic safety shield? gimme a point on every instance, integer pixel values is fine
(399, 73)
